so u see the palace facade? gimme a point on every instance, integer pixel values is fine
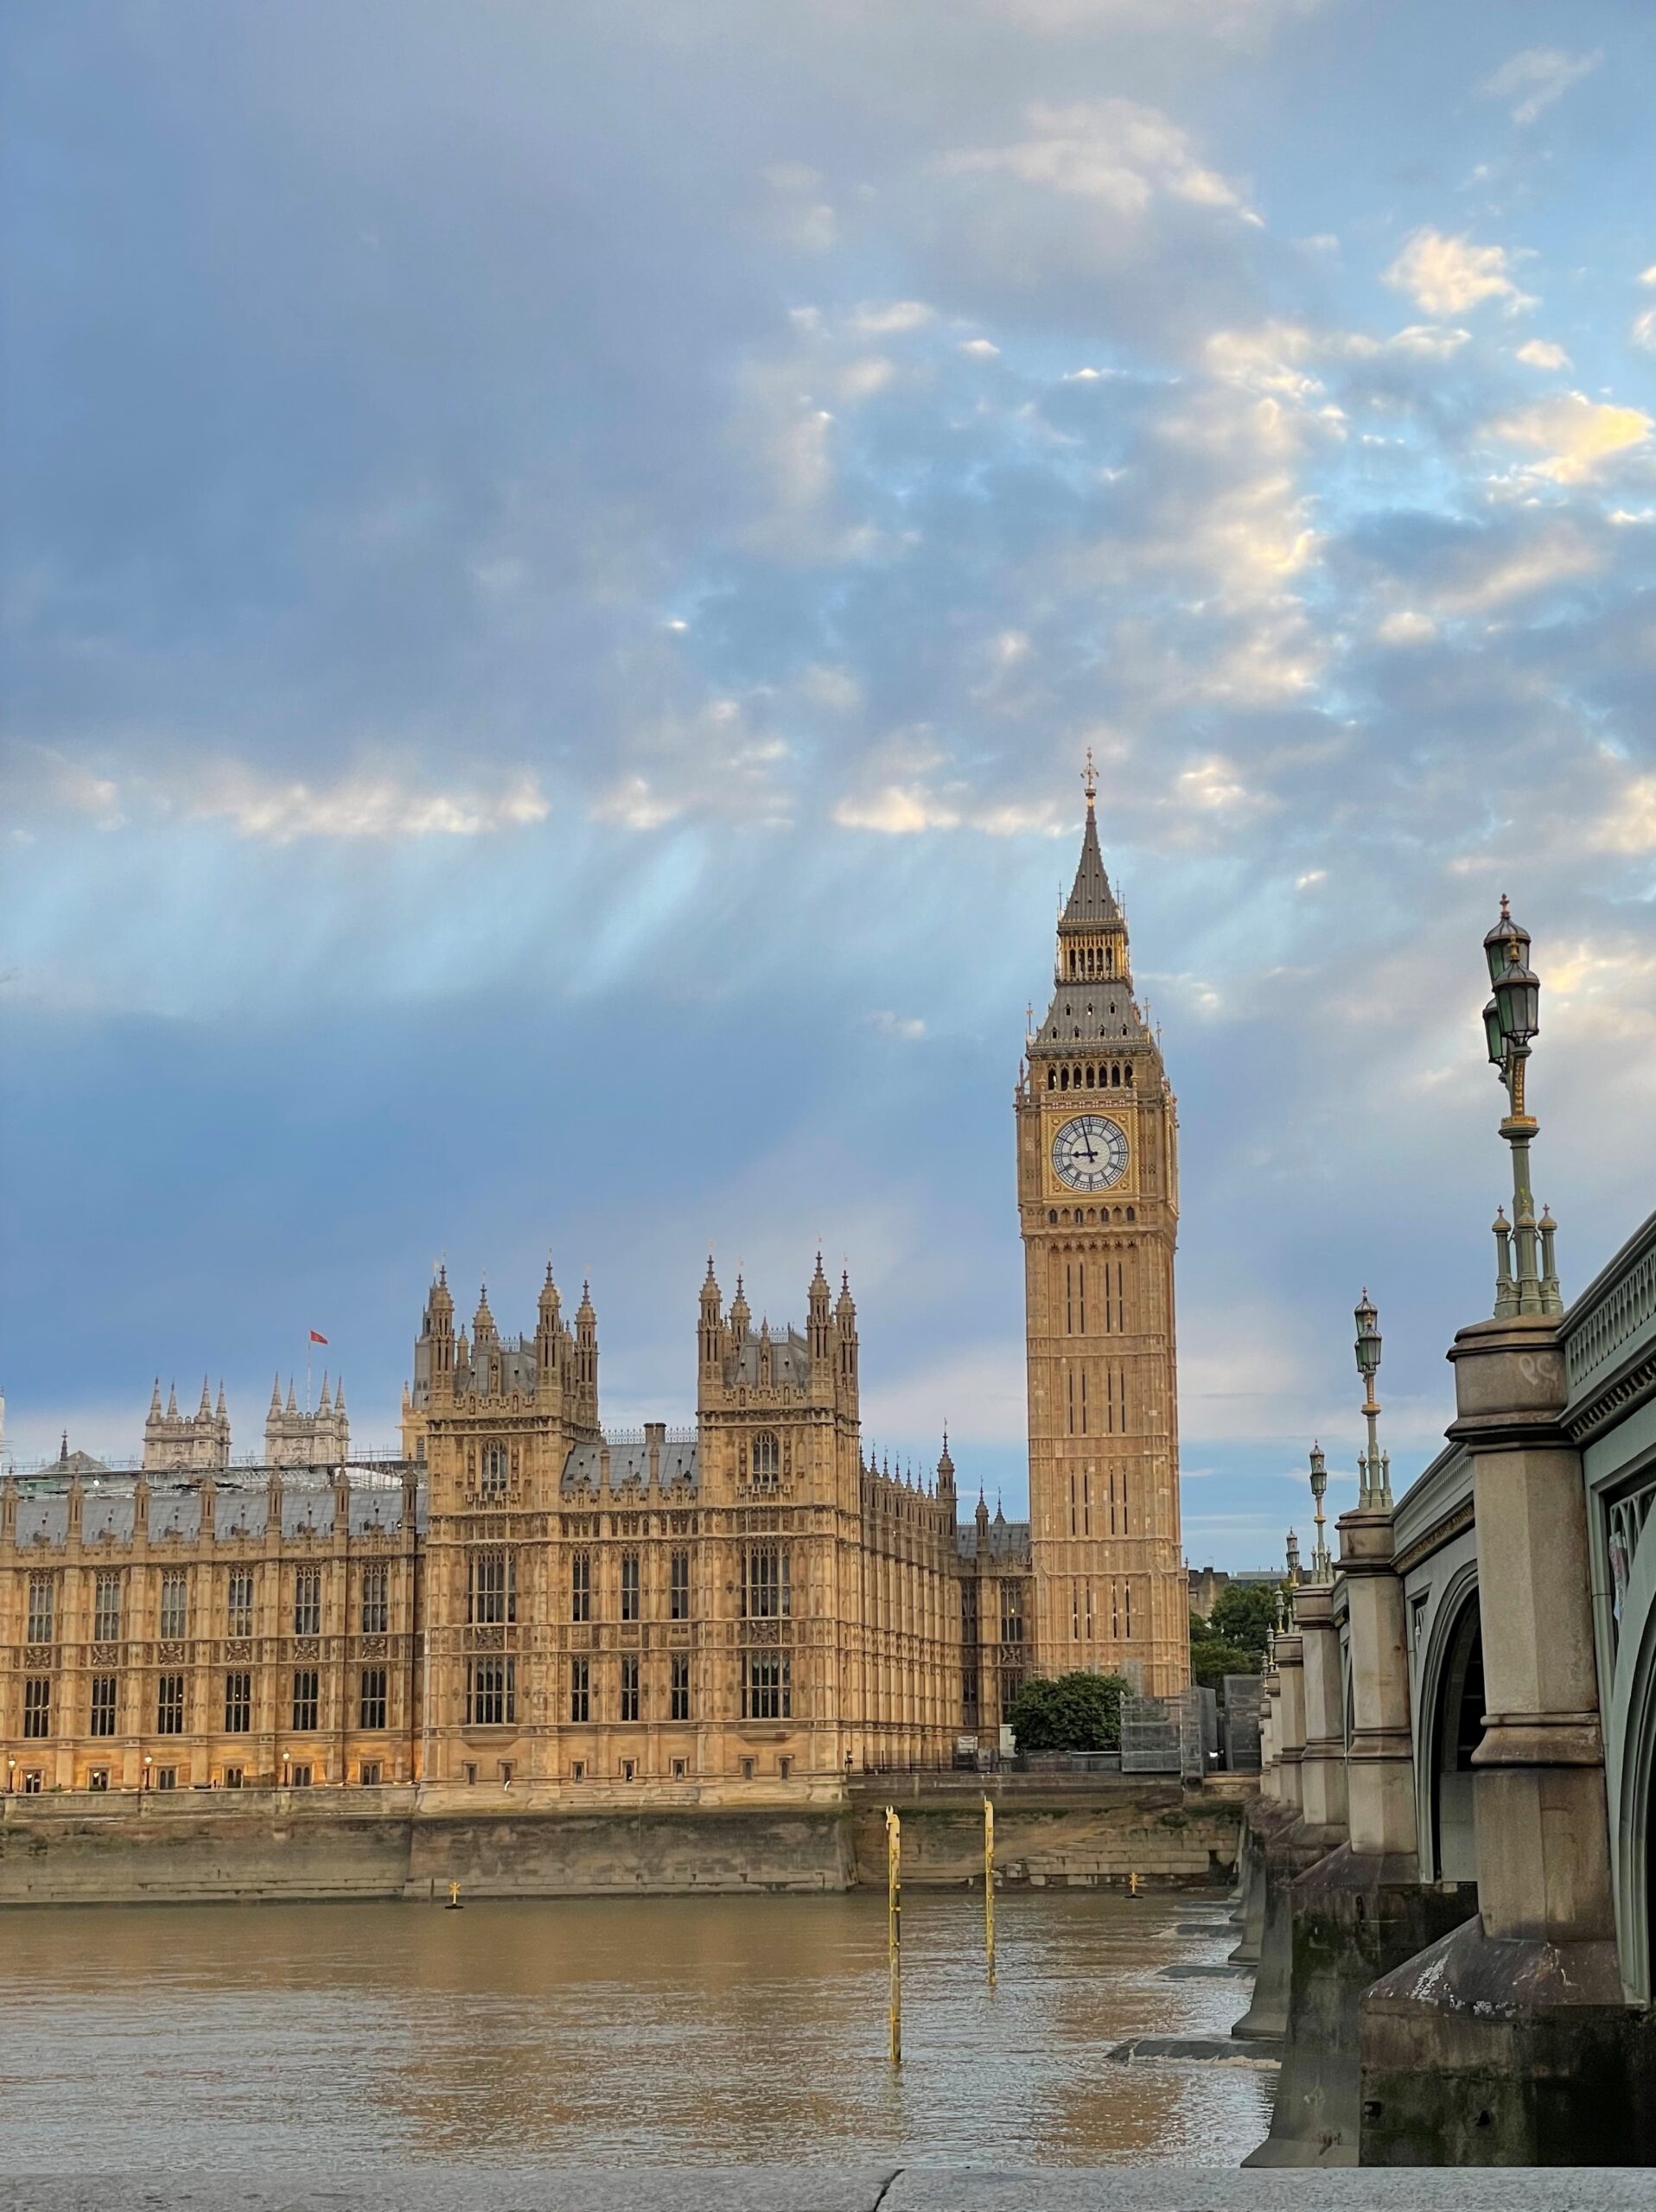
(522, 1598)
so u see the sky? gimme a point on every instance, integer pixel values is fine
(559, 567)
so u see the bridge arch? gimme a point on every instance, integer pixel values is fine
(1630, 1749)
(1451, 1710)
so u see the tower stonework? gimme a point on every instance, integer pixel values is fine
(1098, 1208)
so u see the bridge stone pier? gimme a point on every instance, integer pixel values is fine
(1463, 1718)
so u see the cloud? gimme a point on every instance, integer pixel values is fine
(909, 1028)
(379, 807)
(1542, 354)
(1579, 436)
(1644, 329)
(1116, 152)
(980, 1390)
(1448, 276)
(632, 804)
(1630, 824)
(1539, 76)
(879, 319)
(1243, 22)
(1408, 626)
(373, 805)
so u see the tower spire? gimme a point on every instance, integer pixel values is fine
(1092, 902)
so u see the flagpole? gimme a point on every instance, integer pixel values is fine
(307, 1370)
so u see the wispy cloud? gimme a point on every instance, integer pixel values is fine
(1118, 153)
(1537, 77)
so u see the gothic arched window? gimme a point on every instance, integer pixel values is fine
(767, 1457)
(496, 1467)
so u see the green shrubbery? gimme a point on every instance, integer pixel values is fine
(1075, 1713)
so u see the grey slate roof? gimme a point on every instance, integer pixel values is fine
(109, 1515)
(790, 1360)
(42, 1519)
(629, 1458)
(518, 1369)
(241, 1507)
(1098, 1013)
(1008, 1541)
(173, 1513)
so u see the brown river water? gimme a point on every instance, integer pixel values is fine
(655, 2030)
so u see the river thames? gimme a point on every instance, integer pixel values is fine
(661, 2030)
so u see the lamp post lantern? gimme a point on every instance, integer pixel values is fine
(1526, 1278)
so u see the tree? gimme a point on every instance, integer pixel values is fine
(1212, 1659)
(1242, 1613)
(1078, 1712)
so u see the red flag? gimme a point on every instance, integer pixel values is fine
(316, 1339)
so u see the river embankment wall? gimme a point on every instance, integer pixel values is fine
(1072, 1831)
(189, 1847)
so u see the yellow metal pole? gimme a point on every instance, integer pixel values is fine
(894, 1928)
(989, 1886)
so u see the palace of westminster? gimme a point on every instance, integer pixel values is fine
(523, 1598)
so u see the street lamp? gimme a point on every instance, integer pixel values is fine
(1526, 1278)
(1373, 1467)
(1321, 1569)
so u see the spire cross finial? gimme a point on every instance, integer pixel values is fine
(1089, 780)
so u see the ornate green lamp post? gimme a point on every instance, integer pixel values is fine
(1526, 1277)
(1373, 1467)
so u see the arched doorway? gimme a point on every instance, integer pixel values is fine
(1457, 1731)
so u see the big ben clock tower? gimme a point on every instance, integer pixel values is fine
(1099, 1206)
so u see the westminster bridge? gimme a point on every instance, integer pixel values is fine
(1451, 1873)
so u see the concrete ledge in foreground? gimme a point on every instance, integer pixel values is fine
(844, 2189)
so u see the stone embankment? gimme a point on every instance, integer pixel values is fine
(1057, 1831)
(190, 1846)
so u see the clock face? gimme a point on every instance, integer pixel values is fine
(1090, 1152)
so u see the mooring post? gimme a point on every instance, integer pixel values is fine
(894, 1929)
(989, 1886)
